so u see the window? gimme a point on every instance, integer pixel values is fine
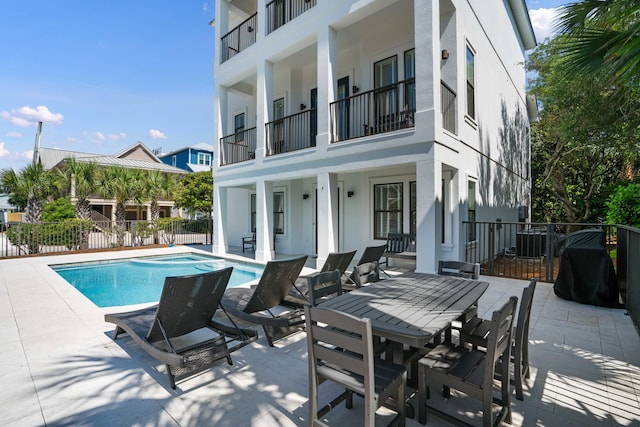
(410, 74)
(387, 209)
(413, 204)
(385, 72)
(238, 126)
(471, 103)
(471, 211)
(278, 212)
(204, 159)
(173, 161)
(253, 213)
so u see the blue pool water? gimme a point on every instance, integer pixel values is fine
(140, 280)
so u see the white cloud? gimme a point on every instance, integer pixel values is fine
(27, 116)
(116, 136)
(543, 20)
(156, 134)
(26, 155)
(3, 151)
(14, 134)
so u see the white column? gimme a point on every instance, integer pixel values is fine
(327, 82)
(263, 109)
(220, 113)
(427, 34)
(219, 220)
(428, 216)
(327, 216)
(264, 221)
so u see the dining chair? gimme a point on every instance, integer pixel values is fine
(341, 350)
(466, 270)
(475, 333)
(324, 285)
(366, 273)
(472, 371)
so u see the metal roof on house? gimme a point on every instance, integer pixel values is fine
(51, 158)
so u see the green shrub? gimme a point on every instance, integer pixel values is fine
(624, 205)
(58, 210)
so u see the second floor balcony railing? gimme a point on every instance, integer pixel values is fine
(238, 147)
(292, 133)
(238, 39)
(448, 106)
(279, 12)
(381, 110)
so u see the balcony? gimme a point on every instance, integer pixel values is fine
(238, 39)
(292, 133)
(279, 12)
(238, 147)
(385, 109)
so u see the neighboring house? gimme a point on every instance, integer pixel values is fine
(339, 122)
(137, 156)
(196, 158)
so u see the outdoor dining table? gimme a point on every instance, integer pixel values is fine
(412, 308)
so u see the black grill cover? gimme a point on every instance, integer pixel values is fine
(586, 273)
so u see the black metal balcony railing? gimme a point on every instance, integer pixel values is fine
(279, 12)
(380, 110)
(292, 133)
(238, 39)
(449, 108)
(238, 147)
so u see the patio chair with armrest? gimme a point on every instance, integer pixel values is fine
(265, 304)
(179, 331)
(475, 333)
(341, 350)
(472, 371)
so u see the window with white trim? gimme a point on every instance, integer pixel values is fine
(471, 73)
(278, 212)
(387, 209)
(204, 159)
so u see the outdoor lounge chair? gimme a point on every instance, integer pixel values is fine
(179, 330)
(265, 304)
(299, 294)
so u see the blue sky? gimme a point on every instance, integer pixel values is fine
(102, 75)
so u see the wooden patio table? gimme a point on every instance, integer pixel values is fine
(410, 309)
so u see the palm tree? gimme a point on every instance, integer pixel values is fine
(603, 35)
(82, 179)
(156, 186)
(123, 185)
(33, 183)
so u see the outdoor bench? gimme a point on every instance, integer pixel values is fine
(401, 246)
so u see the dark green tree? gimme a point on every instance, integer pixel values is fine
(195, 193)
(586, 138)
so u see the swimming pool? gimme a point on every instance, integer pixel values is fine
(140, 280)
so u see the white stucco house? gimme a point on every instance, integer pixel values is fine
(339, 121)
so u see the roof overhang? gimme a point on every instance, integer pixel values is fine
(523, 23)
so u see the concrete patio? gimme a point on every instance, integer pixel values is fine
(61, 367)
